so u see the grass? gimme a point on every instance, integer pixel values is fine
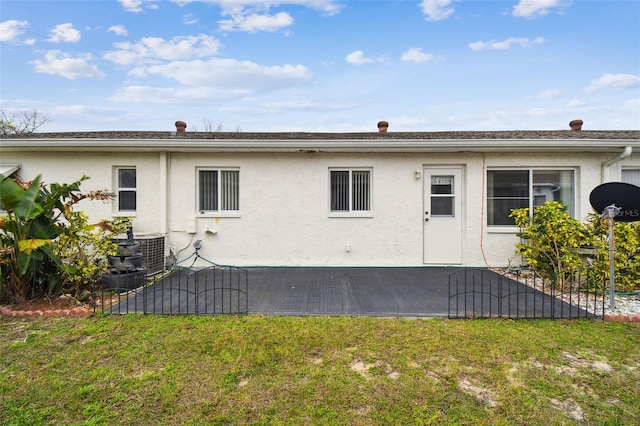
(256, 370)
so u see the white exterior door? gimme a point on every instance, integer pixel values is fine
(442, 216)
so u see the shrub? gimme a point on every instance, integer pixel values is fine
(550, 239)
(626, 254)
(551, 242)
(87, 247)
(46, 247)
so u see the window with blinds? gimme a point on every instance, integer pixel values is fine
(631, 176)
(218, 190)
(350, 190)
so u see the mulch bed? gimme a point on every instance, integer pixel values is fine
(59, 306)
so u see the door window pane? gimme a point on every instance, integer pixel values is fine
(442, 195)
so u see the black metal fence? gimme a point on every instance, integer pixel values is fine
(522, 293)
(210, 291)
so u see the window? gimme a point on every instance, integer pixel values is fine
(218, 190)
(631, 176)
(443, 196)
(514, 189)
(127, 191)
(350, 190)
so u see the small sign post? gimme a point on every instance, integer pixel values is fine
(611, 212)
(617, 201)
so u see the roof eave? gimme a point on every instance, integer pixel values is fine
(318, 145)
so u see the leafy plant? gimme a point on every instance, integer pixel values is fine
(87, 247)
(36, 237)
(550, 239)
(626, 254)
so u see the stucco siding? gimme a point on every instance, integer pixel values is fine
(284, 217)
(69, 167)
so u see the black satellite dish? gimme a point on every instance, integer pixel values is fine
(623, 195)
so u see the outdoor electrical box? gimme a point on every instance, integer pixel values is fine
(191, 225)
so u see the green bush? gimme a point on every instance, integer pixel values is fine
(626, 238)
(551, 241)
(45, 247)
(87, 247)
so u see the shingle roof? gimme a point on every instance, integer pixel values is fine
(451, 135)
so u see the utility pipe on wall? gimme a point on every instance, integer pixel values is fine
(624, 154)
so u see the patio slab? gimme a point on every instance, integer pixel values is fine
(419, 291)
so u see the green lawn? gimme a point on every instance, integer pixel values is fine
(164, 370)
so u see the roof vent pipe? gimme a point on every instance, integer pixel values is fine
(181, 126)
(576, 125)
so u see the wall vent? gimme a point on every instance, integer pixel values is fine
(152, 247)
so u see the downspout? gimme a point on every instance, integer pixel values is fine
(624, 154)
(164, 194)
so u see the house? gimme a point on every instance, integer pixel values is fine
(330, 199)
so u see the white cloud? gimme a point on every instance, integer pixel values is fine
(436, 10)
(63, 64)
(328, 7)
(549, 94)
(505, 44)
(230, 74)
(415, 54)
(255, 22)
(64, 33)
(357, 58)
(537, 8)
(165, 95)
(614, 81)
(190, 19)
(10, 30)
(118, 30)
(254, 16)
(156, 48)
(211, 81)
(131, 5)
(576, 103)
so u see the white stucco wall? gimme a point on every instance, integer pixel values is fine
(284, 203)
(67, 167)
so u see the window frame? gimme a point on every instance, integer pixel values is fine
(220, 189)
(572, 207)
(629, 169)
(351, 212)
(119, 189)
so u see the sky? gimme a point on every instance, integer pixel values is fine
(321, 65)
